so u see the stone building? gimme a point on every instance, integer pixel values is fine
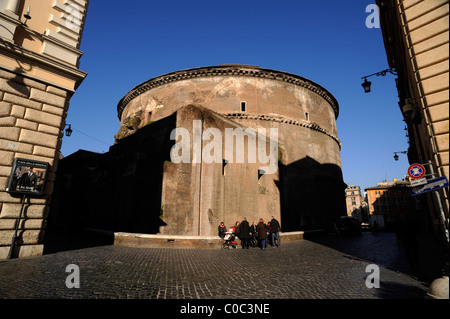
(356, 206)
(284, 158)
(39, 58)
(416, 38)
(389, 200)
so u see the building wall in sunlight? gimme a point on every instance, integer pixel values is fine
(39, 59)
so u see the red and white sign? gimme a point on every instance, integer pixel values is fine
(416, 171)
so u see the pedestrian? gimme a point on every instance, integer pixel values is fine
(275, 231)
(244, 232)
(222, 230)
(407, 230)
(253, 234)
(262, 233)
(236, 229)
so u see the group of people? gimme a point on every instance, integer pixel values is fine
(254, 235)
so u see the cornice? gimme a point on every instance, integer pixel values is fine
(16, 52)
(228, 70)
(281, 119)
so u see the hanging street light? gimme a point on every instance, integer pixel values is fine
(366, 84)
(68, 130)
(396, 155)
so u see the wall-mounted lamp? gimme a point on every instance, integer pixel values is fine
(69, 130)
(396, 155)
(366, 84)
(411, 110)
(27, 15)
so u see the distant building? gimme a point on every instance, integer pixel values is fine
(387, 201)
(356, 206)
(39, 59)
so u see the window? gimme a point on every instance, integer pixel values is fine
(307, 116)
(243, 106)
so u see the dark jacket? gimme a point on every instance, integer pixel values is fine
(253, 230)
(244, 229)
(274, 226)
(222, 230)
(237, 231)
(262, 230)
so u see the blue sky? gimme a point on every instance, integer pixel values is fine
(128, 42)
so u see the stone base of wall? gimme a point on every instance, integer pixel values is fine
(22, 251)
(182, 242)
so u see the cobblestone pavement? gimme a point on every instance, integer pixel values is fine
(301, 269)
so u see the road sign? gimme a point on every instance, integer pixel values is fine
(416, 171)
(432, 185)
(420, 181)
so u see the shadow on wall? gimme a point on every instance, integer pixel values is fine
(311, 194)
(119, 190)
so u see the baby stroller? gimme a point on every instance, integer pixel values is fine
(229, 239)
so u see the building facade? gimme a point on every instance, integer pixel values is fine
(260, 143)
(388, 201)
(416, 38)
(39, 59)
(356, 205)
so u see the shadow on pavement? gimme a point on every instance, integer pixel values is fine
(394, 290)
(383, 249)
(59, 240)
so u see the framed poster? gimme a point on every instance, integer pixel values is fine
(27, 177)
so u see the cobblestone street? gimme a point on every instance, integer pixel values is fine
(301, 269)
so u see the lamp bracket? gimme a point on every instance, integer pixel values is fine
(382, 73)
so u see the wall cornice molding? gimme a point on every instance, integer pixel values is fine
(281, 119)
(18, 53)
(228, 70)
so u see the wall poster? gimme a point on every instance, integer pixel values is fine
(27, 177)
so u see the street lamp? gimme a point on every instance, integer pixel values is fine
(396, 155)
(366, 84)
(68, 130)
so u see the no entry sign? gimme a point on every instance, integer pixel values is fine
(416, 171)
